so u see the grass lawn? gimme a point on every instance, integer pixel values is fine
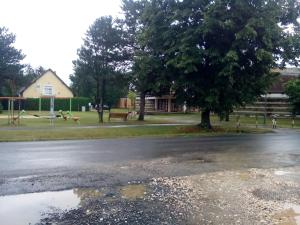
(105, 132)
(86, 119)
(195, 118)
(89, 128)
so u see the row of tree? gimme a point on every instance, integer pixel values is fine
(215, 55)
(13, 73)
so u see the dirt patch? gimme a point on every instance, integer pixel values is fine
(245, 176)
(286, 217)
(133, 191)
(88, 193)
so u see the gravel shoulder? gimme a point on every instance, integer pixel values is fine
(217, 181)
(247, 196)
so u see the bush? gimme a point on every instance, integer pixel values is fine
(292, 89)
(1, 108)
(59, 104)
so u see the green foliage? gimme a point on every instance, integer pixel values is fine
(10, 64)
(30, 74)
(59, 104)
(293, 91)
(145, 22)
(220, 53)
(131, 95)
(99, 69)
(1, 108)
(225, 50)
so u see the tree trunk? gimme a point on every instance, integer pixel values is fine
(221, 116)
(142, 106)
(98, 101)
(205, 119)
(101, 112)
(1, 86)
(227, 116)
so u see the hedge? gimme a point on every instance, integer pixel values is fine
(59, 104)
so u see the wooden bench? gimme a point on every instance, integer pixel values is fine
(118, 115)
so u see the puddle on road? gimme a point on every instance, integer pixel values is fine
(290, 215)
(133, 191)
(29, 208)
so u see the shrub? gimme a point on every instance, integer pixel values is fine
(292, 89)
(59, 104)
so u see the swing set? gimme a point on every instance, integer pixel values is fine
(12, 115)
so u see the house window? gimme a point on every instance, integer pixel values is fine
(48, 90)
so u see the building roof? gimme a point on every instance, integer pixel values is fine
(295, 72)
(49, 70)
(285, 76)
(279, 85)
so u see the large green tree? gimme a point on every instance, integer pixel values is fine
(225, 49)
(144, 23)
(101, 59)
(10, 63)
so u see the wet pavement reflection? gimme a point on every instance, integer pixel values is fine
(33, 207)
(30, 208)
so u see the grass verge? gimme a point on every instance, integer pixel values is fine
(105, 132)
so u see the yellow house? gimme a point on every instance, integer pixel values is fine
(48, 84)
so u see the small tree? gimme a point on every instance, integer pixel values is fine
(10, 63)
(100, 58)
(132, 96)
(293, 91)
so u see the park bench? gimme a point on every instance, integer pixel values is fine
(118, 115)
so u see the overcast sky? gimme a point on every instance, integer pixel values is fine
(49, 32)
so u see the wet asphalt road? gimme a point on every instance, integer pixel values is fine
(27, 167)
(65, 164)
(259, 151)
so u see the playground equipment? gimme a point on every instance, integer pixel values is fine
(52, 115)
(69, 115)
(12, 116)
(63, 115)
